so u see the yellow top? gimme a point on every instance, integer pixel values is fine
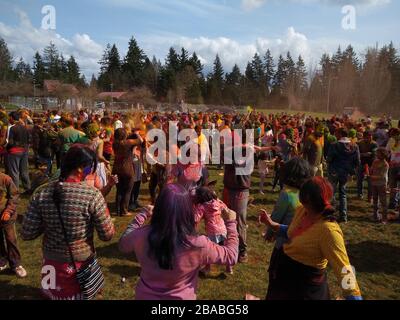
(319, 244)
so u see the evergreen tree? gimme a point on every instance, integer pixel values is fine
(173, 61)
(235, 77)
(73, 72)
(63, 69)
(269, 68)
(233, 92)
(51, 60)
(258, 72)
(134, 64)
(151, 74)
(350, 56)
(289, 76)
(218, 72)
(388, 55)
(23, 71)
(249, 73)
(110, 69)
(279, 77)
(5, 62)
(183, 59)
(301, 78)
(39, 73)
(196, 64)
(337, 60)
(215, 82)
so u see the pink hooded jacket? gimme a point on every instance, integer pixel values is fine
(211, 213)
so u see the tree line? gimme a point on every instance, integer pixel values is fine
(369, 81)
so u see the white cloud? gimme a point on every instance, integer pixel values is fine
(254, 4)
(24, 40)
(233, 52)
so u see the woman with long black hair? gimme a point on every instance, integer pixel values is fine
(67, 212)
(169, 250)
(124, 169)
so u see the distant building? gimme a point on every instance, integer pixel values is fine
(57, 94)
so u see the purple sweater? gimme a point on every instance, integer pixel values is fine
(181, 282)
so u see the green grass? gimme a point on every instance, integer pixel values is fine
(374, 250)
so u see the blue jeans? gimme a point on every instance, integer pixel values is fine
(360, 182)
(339, 183)
(17, 167)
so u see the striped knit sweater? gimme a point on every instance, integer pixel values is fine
(83, 209)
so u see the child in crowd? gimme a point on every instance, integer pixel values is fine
(209, 207)
(379, 179)
(263, 169)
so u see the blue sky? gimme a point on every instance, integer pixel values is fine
(235, 29)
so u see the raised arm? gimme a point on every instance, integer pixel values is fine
(126, 242)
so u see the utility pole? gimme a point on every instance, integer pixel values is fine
(34, 95)
(112, 97)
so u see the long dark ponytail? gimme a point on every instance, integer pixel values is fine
(171, 225)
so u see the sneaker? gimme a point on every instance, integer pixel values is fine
(20, 272)
(262, 192)
(3, 264)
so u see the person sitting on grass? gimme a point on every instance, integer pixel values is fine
(314, 240)
(169, 250)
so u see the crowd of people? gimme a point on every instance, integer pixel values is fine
(82, 155)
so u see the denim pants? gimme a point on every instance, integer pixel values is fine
(339, 183)
(237, 200)
(394, 179)
(360, 182)
(17, 166)
(8, 245)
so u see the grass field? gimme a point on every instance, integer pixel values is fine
(374, 251)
